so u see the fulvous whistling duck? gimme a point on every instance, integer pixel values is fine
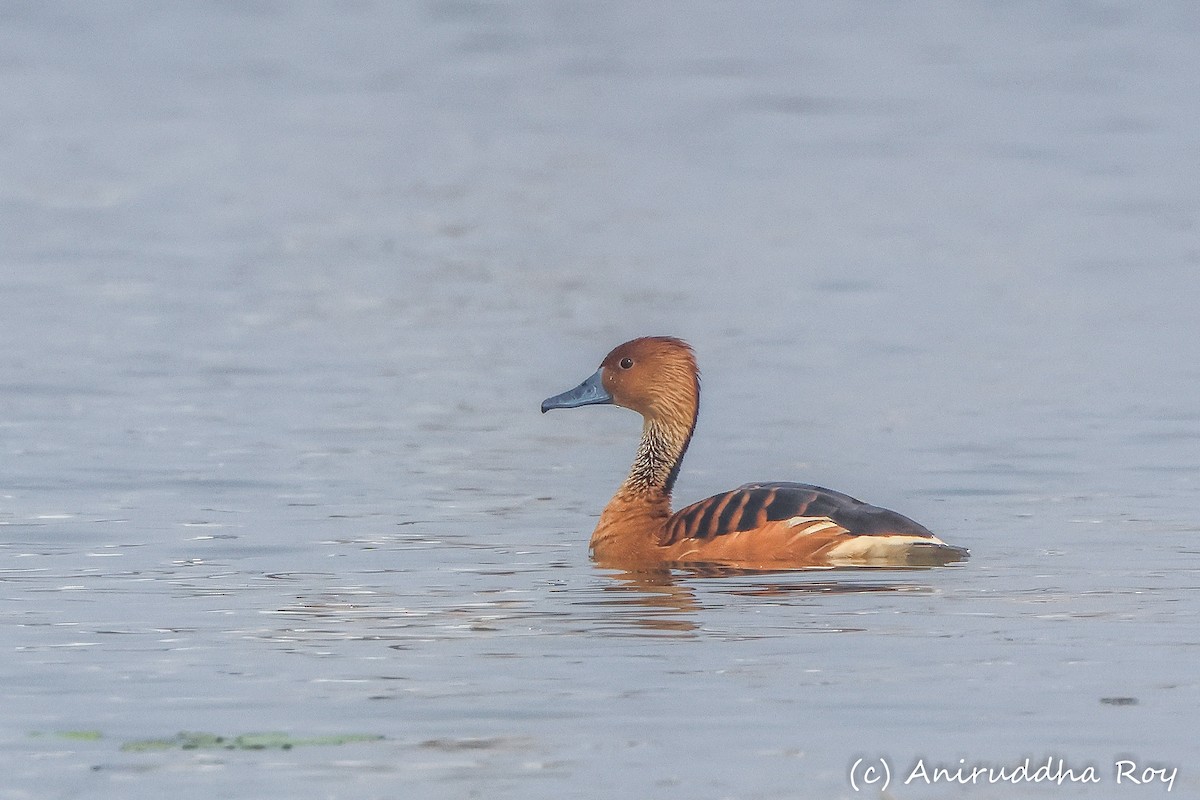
(757, 526)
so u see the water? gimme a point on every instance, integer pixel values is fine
(284, 285)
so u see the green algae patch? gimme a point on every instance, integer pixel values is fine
(247, 741)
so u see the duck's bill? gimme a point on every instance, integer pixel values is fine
(589, 393)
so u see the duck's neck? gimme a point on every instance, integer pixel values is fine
(659, 455)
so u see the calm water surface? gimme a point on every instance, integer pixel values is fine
(284, 284)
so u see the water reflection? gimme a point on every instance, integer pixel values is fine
(652, 600)
(659, 602)
(668, 600)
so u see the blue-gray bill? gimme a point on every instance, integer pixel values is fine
(589, 393)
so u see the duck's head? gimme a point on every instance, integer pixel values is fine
(655, 376)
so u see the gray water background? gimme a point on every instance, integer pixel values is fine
(283, 285)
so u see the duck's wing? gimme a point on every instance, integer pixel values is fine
(818, 509)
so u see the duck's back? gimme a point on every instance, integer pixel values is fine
(795, 524)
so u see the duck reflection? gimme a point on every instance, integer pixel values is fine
(668, 599)
(651, 600)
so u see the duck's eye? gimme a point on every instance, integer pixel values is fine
(626, 362)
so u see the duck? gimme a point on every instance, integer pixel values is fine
(758, 526)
